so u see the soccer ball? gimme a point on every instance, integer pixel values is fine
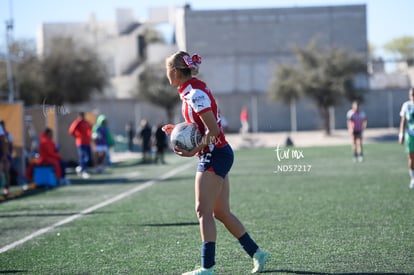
(186, 136)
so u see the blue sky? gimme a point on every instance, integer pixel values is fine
(386, 19)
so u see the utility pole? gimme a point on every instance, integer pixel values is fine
(9, 32)
(9, 29)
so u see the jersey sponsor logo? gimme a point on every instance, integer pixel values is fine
(199, 101)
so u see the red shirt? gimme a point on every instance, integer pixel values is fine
(82, 131)
(47, 149)
(197, 99)
(244, 115)
(48, 155)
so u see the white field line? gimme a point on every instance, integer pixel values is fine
(95, 207)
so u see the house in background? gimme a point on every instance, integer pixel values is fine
(120, 44)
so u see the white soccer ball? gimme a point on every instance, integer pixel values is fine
(186, 136)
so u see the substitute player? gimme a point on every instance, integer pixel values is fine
(212, 186)
(406, 134)
(356, 122)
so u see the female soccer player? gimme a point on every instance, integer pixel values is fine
(407, 132)
(356, 122)
(212, 186)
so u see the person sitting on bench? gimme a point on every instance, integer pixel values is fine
(48, 155)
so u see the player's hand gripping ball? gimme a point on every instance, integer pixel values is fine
(186, 136)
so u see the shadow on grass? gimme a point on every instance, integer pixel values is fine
(118, 180)
(13, 271)
(101, 178)
(327, 273)
(8, 216)
(107, 181)
(22, 194)
(180, 178)
(134, 162)
(170, 224)
(129, 163)
(385, 137)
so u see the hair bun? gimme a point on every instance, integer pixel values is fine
(196, 59)
(192, 62)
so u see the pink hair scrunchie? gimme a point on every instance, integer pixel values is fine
(193, 61)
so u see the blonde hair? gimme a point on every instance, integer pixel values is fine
(178, 61)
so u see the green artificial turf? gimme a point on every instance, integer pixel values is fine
(322, 214)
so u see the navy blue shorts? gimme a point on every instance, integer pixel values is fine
(357, 134)
(219, 161)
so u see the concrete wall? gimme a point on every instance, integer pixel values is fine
(242, 47)
(381, 106)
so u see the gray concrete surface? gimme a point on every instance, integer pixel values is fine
(300, 139)
(309, 138)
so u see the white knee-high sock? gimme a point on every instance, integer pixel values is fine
(411, 173)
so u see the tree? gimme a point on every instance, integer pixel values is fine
(287, 90)
(152, 35)
(154, 87)
(69, 73)
(403, 47)
(29, 78)
(323, 75)
(73, 73)
(27, 73)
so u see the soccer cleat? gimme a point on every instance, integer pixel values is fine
(412, 184)
(201, 271)
(259, 260)
(85, 175)
(78, 170)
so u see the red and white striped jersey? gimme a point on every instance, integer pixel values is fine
(197, 99)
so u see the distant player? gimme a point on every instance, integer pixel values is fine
(212, 187)
(356, 122)
(81, 130)
(244, 120)
(3, 159)
(406, 134)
